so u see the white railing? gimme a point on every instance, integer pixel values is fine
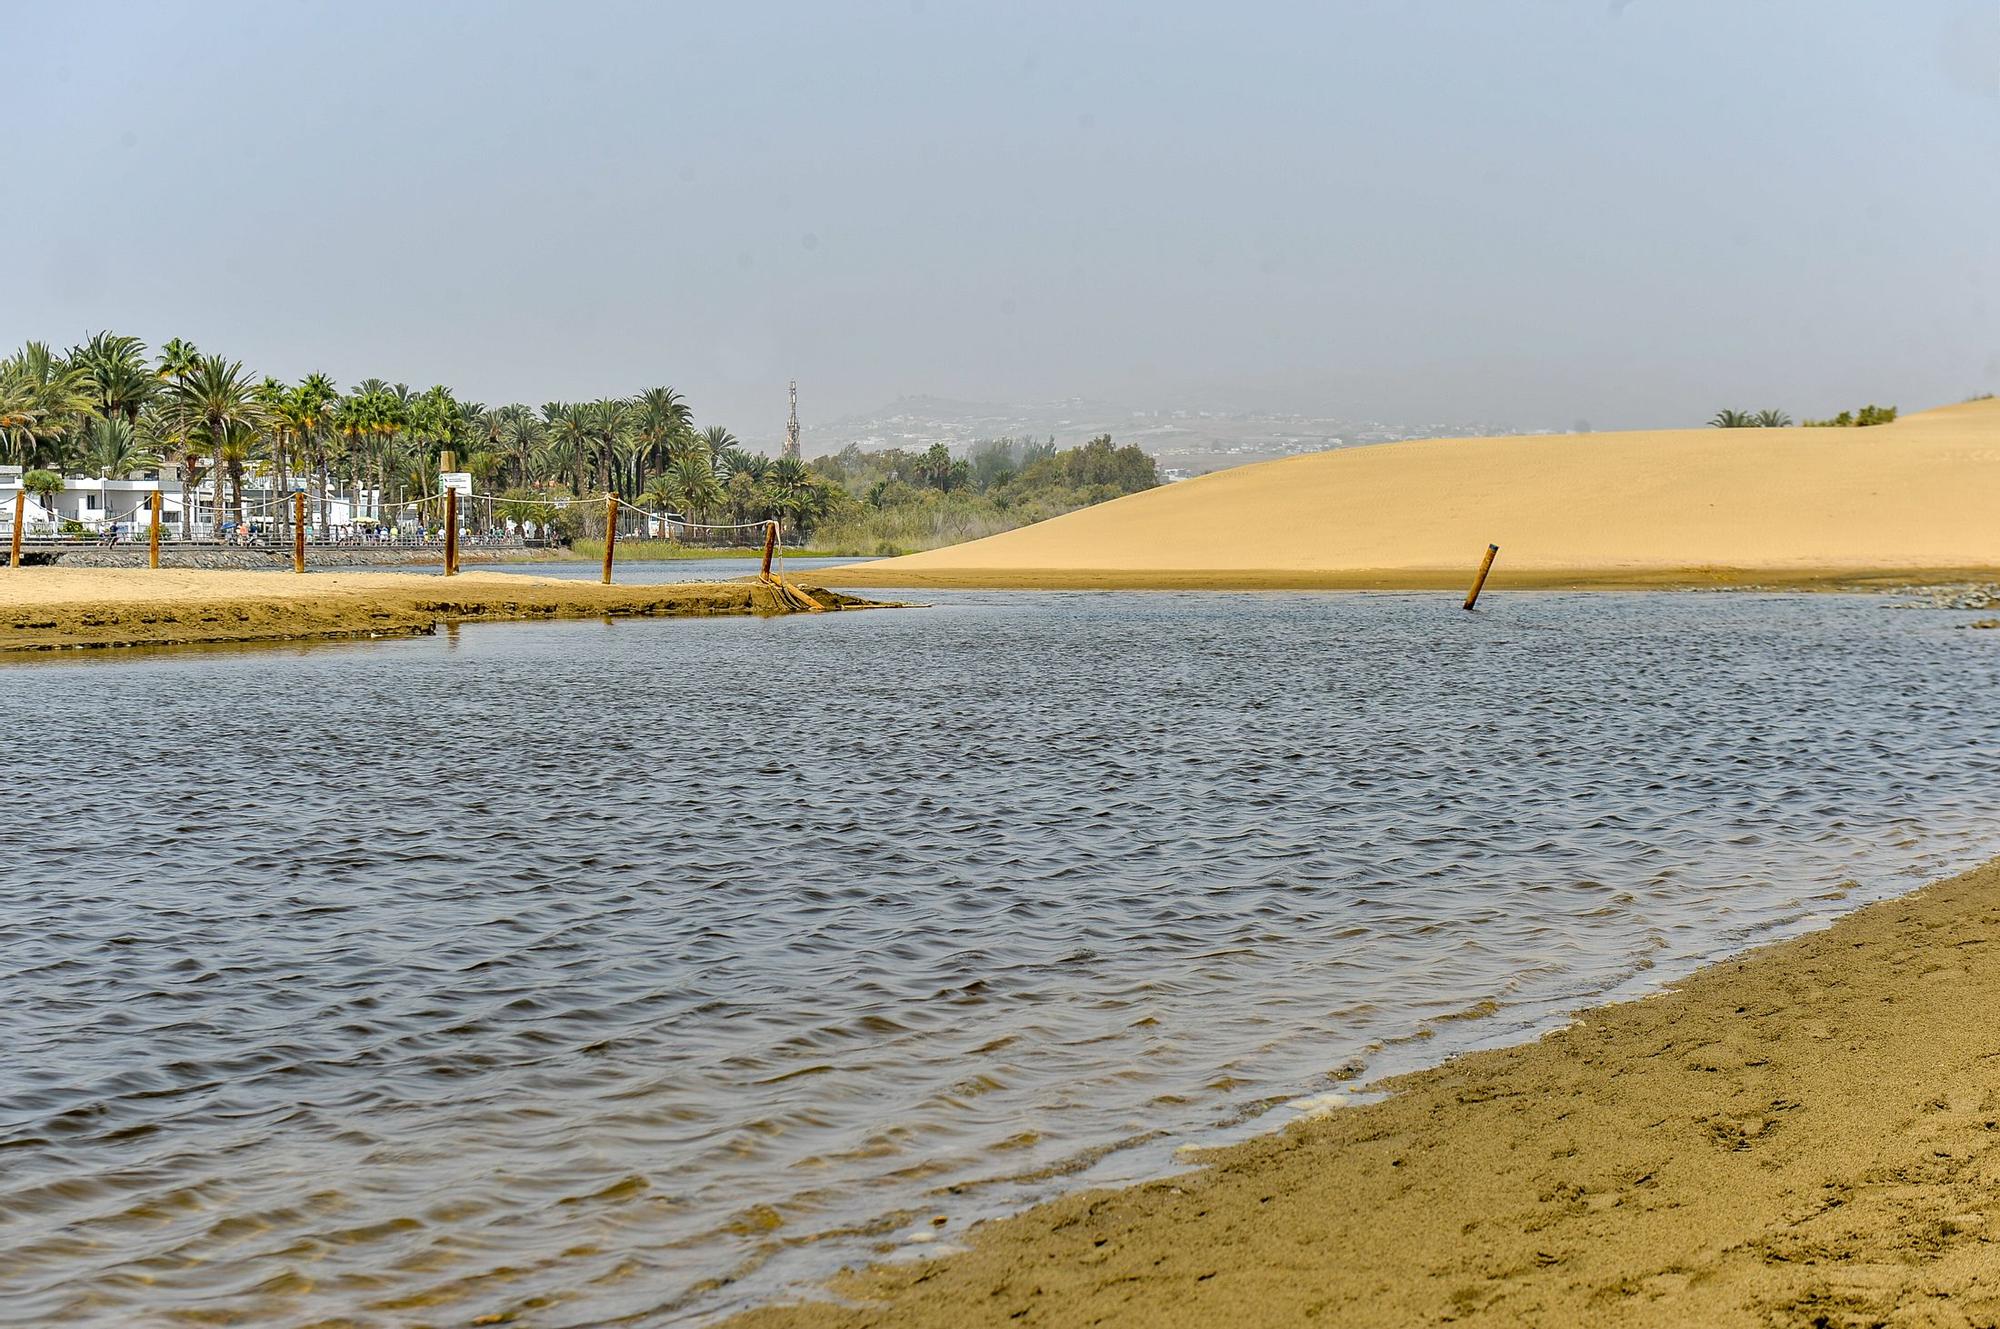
(48, 537)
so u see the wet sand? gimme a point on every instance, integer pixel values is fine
(1911, 500)
(1807, 1135)
(55, 608)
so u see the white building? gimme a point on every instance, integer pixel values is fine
(99, 505)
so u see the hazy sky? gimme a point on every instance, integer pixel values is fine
(1526, 211)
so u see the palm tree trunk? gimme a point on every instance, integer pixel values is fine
(284, 490)
(181, 442)
(215, 474)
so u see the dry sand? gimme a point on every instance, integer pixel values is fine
(49, 608)
(1916, 498)
(1807, 1136)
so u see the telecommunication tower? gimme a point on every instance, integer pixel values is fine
(792, 425)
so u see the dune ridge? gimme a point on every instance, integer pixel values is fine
(1915, 498)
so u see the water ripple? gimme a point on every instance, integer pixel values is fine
(575, 971)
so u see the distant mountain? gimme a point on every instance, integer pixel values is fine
(1185, 441)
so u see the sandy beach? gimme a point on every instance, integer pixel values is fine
(1807, 1135)
(1692, 507)
(60, 608)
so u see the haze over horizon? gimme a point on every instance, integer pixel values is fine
(1631, 213)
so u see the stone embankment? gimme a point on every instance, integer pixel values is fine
(1949, 596)
(216, 558)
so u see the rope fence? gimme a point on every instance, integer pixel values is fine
(772, 571)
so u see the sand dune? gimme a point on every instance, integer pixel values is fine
(1919, 496)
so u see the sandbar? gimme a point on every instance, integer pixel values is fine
(1807, 1135)
(57, 608)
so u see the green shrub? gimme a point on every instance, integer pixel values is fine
(1870, 414)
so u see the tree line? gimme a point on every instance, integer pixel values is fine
(1870, 414)
(898, 500)
(110, 406)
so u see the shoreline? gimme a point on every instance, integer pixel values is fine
(1804, 1133)
(1504, 579)
(44, 609)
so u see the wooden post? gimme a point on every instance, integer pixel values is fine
(299, 532)
(153, 536)
(1479, 582)
(610, 532)
(450, 532)
(770, 544)
(20, 520)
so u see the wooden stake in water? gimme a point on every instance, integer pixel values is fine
(153, 535)
(1479, 582)
(299, 532)
(20, 518)
(450, 532)
(610, 532)
(770, 545)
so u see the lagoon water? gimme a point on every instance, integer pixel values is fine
(645, 969)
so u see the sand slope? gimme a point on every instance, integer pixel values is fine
(1808, 1136)
(1652, 507)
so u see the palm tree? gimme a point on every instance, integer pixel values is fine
(114, 368)
(521, 439)
(660, 421)
(1773, 420)
(178, 360)
(239, 452)
(608, 422)
(485, 465)
(404, 460)
(433, 424)
(221, 396)
(524, 507)
(796, 493)
(522, 435)
(275, 398)
(745, 496)
(570, 440)
(695, 482)
(390, 416)
(172, 444)
(114, 448)
(661, 494)
(371, 418)
(733, 461)
(114, 451)
(45, 402)
(1732, 420)
(20, 413)
(309, 410)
